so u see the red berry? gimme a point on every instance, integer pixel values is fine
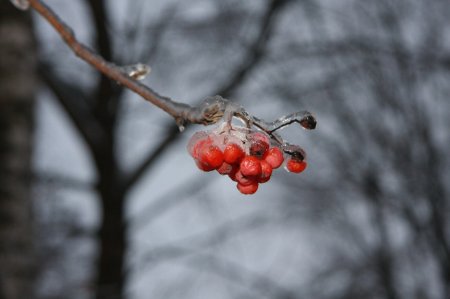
(258, 148)
(259, 136)
(233, 173)
(212, 157)
(259, 144)
(233, 153)
(225, 168)
(296, 166)
(200, 147)
(248, 189)
(203, 166)
(250, 166)
(274, 157)
(266, 172)
(243, 180)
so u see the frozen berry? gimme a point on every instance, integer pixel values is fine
(250, 166)
(243, 180)
(233, 172)
(212, 156)
(200, 146)
(266, 172)
(225, 168)
(274, 157)
(259, 144)
(259, 136)
(203, 166)
(233, 153)
(296, 166)
(248, 189)
(258, 148)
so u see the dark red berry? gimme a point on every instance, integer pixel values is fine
(233, 173)
(259, 136)
(244, 180)
(225, 168)
(259, 144)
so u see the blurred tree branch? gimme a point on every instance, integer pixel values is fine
(74, 101)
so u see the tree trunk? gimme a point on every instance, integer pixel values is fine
(17, 89)
(112, 233)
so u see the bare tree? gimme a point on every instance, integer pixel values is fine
(387, 152)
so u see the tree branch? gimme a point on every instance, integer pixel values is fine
(62, 180)
(71, 98)
(107, 95)
(210, 111)
(256, 50)
(182, 113)
(137, 173)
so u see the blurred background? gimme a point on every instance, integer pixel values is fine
(100, 199)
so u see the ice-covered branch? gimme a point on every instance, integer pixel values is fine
(180, 111)
(210, 111)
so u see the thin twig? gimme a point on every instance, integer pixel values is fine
(180, 111)
(210, 111)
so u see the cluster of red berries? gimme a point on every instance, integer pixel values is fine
(247, 158)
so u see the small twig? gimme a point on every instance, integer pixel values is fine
(175, 109)
(212, 109)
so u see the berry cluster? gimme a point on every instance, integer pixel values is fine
(248, 158)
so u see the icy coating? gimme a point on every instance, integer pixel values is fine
(137, 71)
(221, 137)
(21, 4)
(247, 156)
